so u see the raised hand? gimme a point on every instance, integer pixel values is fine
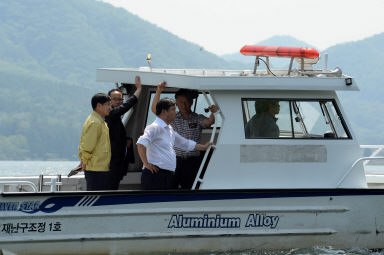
(161, 86)
(213, 108)
(137, 82)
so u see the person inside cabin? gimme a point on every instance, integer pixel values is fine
(263, 123)
(95, 146)
(189, 125)
(117, 132)
(156, 148)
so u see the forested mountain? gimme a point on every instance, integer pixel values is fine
(49, 51)
(70, 39)
(364, 60)
(277, 40)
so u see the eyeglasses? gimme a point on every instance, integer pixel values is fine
(117, 99)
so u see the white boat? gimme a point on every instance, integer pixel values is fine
(310, 186)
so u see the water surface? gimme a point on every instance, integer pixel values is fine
(34, 168)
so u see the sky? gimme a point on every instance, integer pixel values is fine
(224, 26)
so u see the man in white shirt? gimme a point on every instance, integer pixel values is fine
(156, 150)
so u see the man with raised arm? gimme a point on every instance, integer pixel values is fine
(189, 125)
(117, 133)
(156, 148)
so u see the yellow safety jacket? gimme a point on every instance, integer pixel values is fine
(95, 146)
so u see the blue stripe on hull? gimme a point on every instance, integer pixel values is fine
(59, 201)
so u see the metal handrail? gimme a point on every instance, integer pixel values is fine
(53, 183)
(31, 184)
(198, 179)
(372, 146)
(353, 166)
(378, 149)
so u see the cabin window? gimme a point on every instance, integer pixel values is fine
(282, 118)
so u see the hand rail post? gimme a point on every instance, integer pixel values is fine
(198, 179)
(353, 166)
(31, 184)
(53, 183)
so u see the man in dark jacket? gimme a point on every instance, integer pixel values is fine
(117, 132)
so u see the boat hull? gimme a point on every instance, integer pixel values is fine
(191, 221)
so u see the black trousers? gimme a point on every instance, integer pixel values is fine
(97, 180)
(186, 171)
(161, 180)
(116, 176)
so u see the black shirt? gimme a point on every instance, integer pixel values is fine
(117, 132)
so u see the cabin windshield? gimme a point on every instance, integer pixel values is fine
(282, 118)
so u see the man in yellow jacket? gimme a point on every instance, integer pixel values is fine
(95, 146)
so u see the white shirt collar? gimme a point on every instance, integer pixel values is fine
(160, 122)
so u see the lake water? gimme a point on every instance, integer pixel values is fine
(34, 168)
(307, 251)
(310, 251)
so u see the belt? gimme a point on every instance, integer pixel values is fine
(184, 157)
(162, 170)
(166, 171)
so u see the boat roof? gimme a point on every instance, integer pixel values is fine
(208, 79)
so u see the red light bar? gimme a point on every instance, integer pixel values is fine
(278, 51)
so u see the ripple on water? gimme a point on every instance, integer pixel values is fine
(302, 251)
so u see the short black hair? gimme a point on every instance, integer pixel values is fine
(262, 105)
(190, 94)
(164, 104)
(113, 90)
(99, 98)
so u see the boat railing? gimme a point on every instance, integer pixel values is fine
(377, 150)
(372, 157)
(21, 183)
(199, 179)
(353, 166)
(55, 184)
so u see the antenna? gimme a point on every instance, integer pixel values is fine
(325, 62)
(149, 61)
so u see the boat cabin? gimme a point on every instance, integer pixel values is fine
(312, 147)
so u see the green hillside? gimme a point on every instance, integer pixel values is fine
(364, 60)
(49, 52)
(70, 39)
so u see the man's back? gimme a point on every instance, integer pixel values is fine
(262, 125)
